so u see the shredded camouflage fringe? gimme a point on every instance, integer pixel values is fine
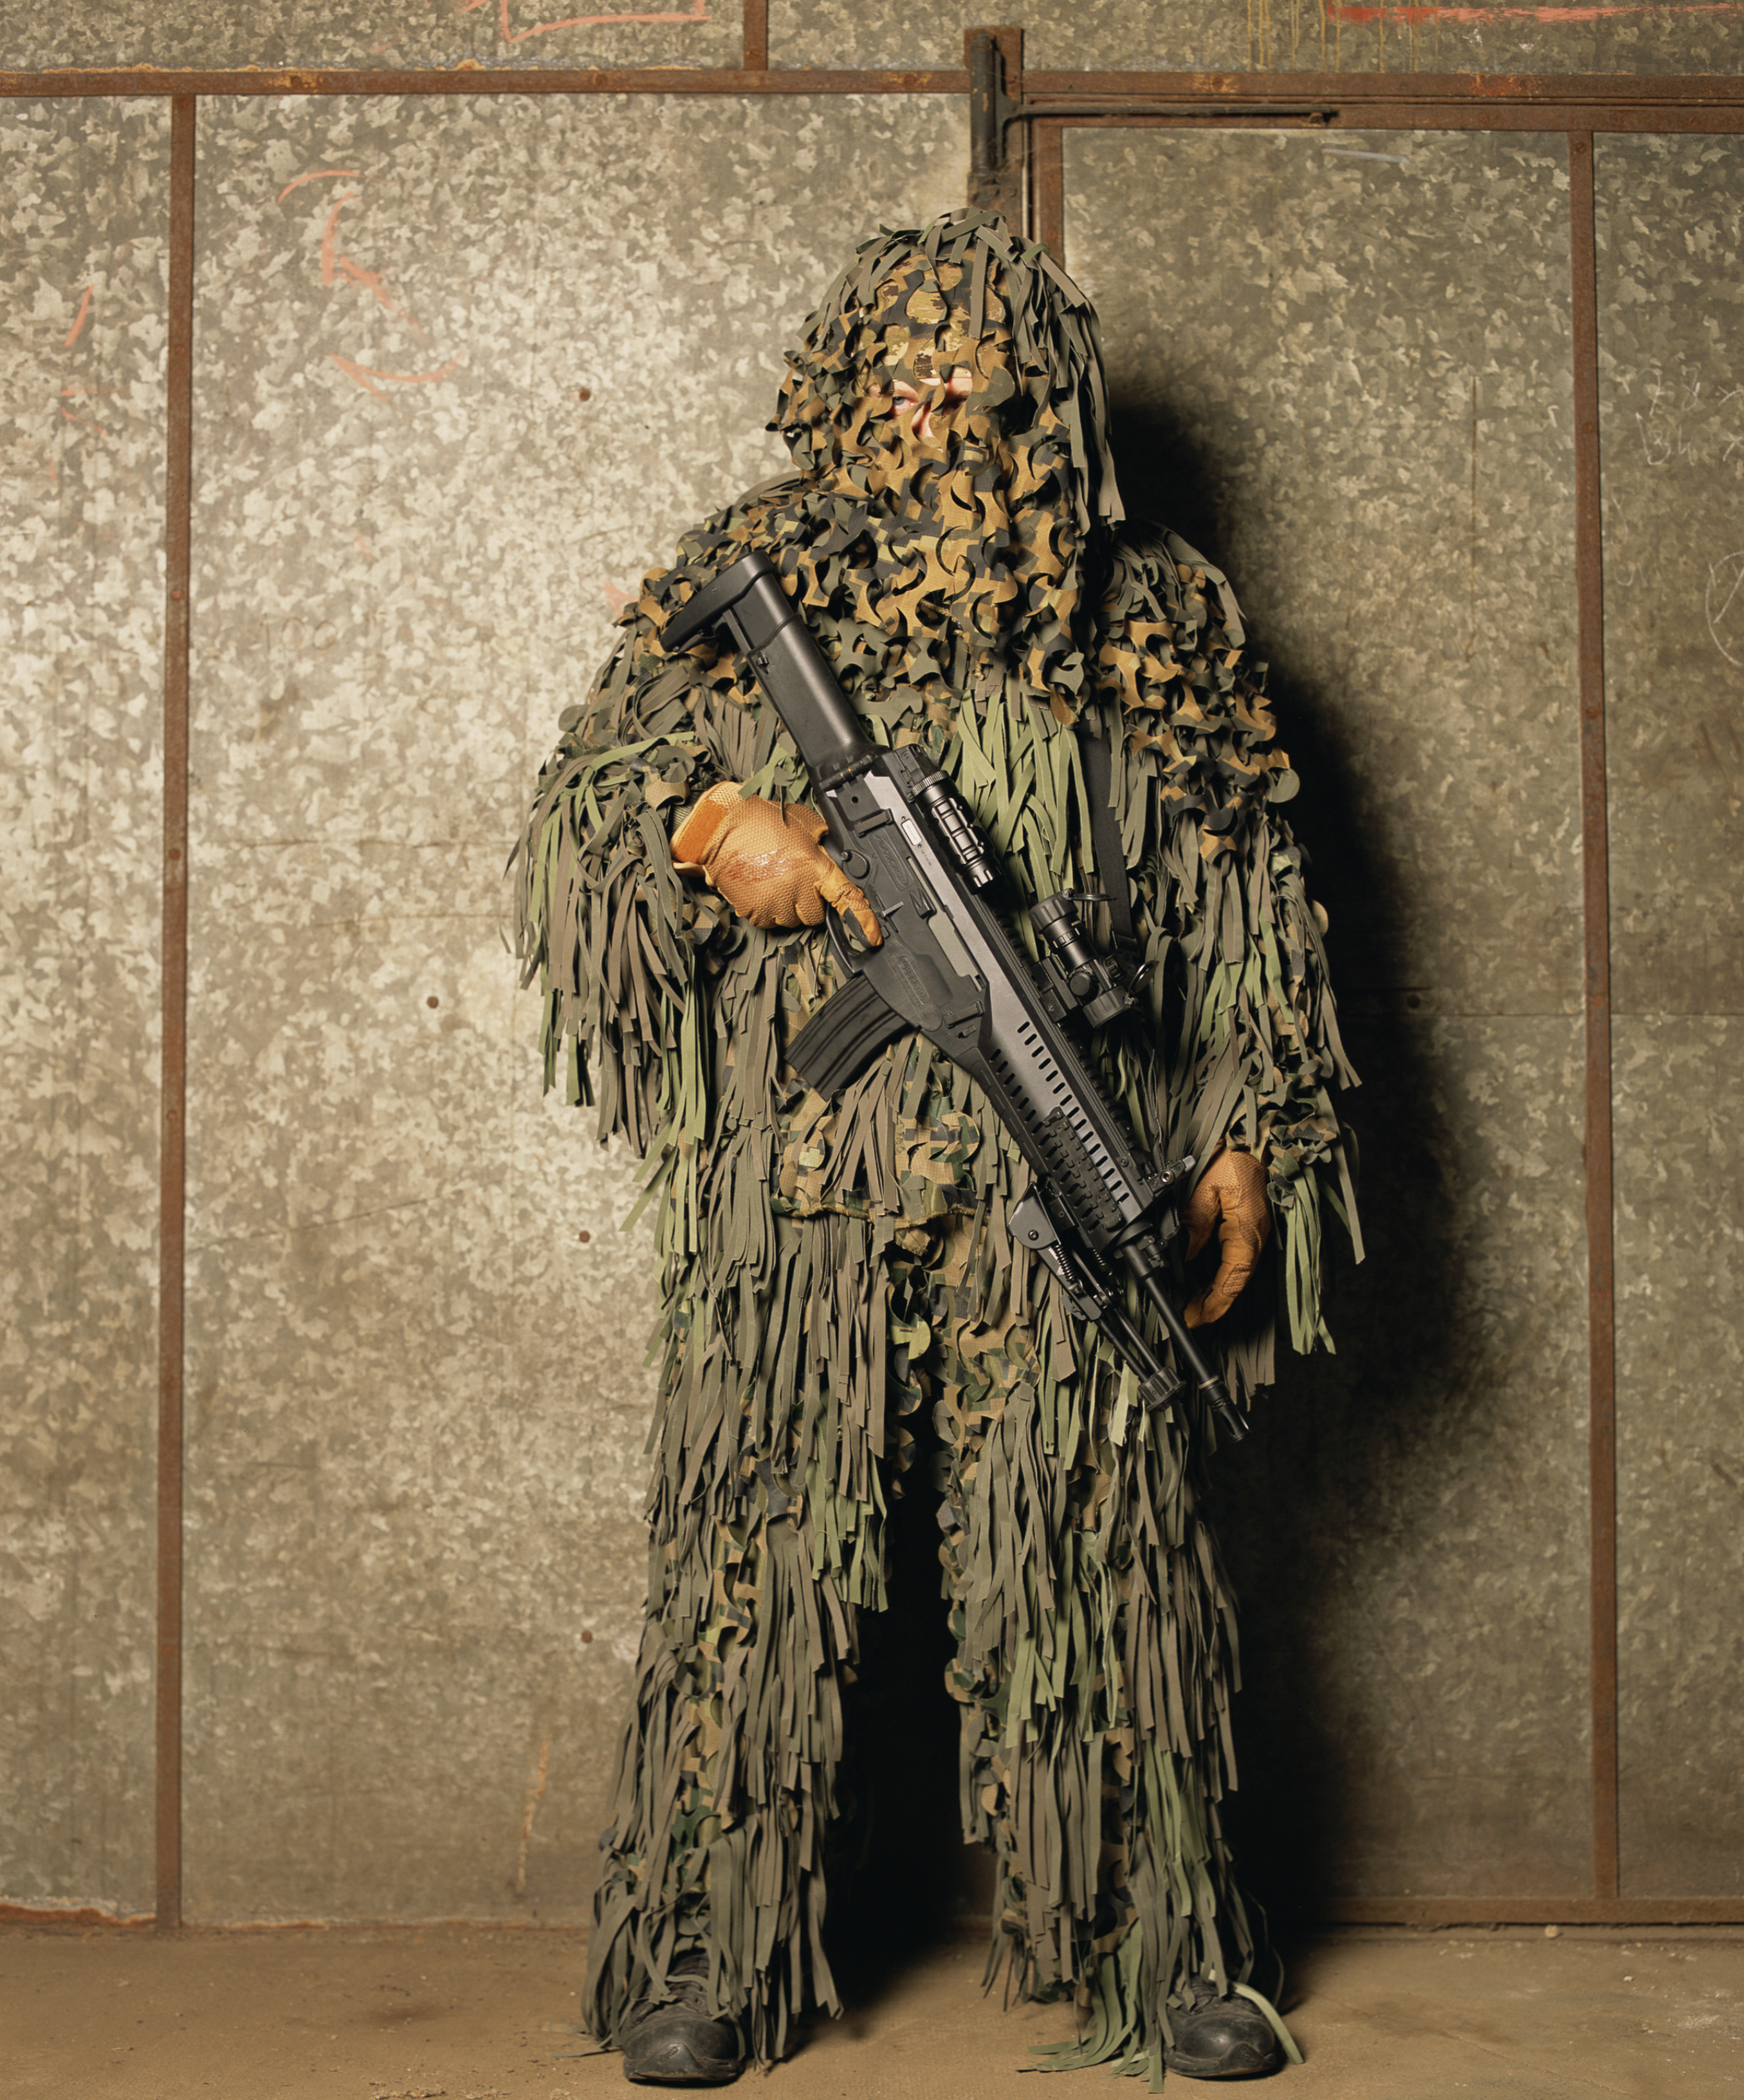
(829, 1265)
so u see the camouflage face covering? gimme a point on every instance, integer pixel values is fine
(979, 515)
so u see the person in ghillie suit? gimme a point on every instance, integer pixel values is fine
(951, 531)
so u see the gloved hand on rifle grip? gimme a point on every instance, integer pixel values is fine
(1230, 1200)
(766, 860)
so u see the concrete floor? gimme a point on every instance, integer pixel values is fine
(472, 2013)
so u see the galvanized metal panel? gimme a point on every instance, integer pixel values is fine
(1407, 1531)
(1680, 1453)
(81, 381)
(1272, 35)
(467, 370)
(99, 34)
(1343, 372)
(1671, 249)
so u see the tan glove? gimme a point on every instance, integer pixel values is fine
(1230, 1199)
(766, 861)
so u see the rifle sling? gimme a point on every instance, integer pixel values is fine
(1105, 836)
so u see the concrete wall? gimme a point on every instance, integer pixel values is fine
(443, 347)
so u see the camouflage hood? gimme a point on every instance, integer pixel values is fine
(983, 515)
(962, 292)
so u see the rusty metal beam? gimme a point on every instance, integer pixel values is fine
(1670, 118)
(1558, 102)
(996, 156)
(173, 1084)
(479, 79)
(755, 57)
(1495, 92)
(1531, 1910)
(1601, 1304)
(1442, 1912)
(1048, 176)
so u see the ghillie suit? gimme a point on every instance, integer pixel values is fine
(831, 1266)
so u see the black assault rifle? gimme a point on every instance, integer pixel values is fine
(948, 968)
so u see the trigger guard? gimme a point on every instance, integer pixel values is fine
(851, 958)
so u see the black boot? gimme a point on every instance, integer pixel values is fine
(678, 2042)
(1221, 2037)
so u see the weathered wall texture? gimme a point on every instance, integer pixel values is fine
(1671, 231)
(1279, 36)
(82, 350)
(467, 370)
(1272, 35)
(466, 366)
(372, 34)
(1345, 372)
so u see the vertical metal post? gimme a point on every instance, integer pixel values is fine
(986, 147)
(172, 1154)
(994, 59)
(1049, 182)
(1601, 1301)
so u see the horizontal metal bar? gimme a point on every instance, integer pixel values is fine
(476, 80)
(1532, 1910)
(1564, 90)
(1399, 102)
(1029, 111)
(1666, 118)
(1648, 1914)
(1699, 102)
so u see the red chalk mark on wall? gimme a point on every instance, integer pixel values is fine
(73, 390)
(317, 175)
(371, 281)
(698, 13)
(330, 236)
(335, 265)
(364, 374)
(73, 332)
(1551, 17)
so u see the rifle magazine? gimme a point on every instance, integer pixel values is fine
(843, 1037)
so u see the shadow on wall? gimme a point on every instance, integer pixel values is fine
(1338, 1456)
(1337, 1453)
